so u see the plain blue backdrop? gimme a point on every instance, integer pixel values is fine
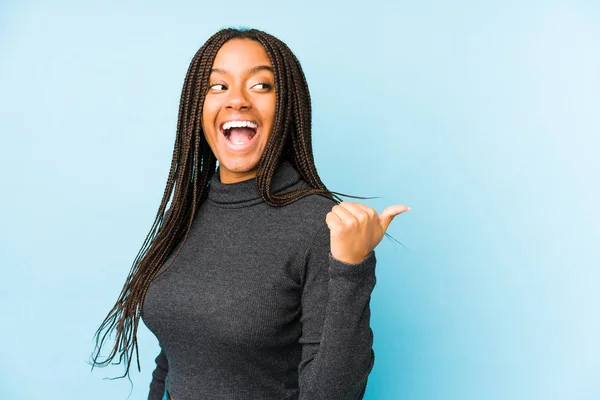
(481, 116)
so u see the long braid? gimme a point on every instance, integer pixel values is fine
(192, 166)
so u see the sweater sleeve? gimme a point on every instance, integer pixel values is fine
(337, 340)
(157, 385)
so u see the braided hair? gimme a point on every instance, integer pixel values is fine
(193, 165)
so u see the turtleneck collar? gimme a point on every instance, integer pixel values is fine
(244, 193)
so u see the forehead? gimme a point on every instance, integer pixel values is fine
(241, 54)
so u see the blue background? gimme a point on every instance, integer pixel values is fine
(481, 116)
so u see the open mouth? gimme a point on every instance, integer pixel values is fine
(239, 132)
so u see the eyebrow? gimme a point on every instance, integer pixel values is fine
(252, 70)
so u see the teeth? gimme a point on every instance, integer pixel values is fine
(239, 124)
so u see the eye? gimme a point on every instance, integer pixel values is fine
(263, 85)
(217, 86)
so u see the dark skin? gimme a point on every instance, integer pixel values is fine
(242, 88)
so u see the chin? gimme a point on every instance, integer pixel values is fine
(237, 170)
(239, 165)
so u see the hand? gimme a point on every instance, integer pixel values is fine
(356, 229)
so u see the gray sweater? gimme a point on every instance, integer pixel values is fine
(256, 307)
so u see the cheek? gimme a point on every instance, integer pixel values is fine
(208, 125)
(209, 114)
(268, 110)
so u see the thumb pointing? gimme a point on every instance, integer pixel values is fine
(388, 215)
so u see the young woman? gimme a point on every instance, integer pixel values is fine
(257, 279)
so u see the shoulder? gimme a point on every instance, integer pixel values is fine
(298, 222)
(311, 209)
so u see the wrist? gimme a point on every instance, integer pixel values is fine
(349, 259)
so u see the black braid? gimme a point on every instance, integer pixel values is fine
(193, 165)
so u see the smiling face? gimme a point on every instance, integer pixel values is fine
(239, 108)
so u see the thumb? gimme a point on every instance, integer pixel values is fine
(389, 213)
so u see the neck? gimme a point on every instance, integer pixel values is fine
(227, 177)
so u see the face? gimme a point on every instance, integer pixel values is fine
(239, 108)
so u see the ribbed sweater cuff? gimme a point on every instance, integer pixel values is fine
(341, 268)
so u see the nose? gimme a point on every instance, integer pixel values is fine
(238, 99)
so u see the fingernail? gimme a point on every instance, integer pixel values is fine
(408, 208)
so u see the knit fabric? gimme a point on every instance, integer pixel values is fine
(256, 307)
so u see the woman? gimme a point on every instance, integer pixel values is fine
(256, 280)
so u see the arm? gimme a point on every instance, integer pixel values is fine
(337, 354)
(157, 386)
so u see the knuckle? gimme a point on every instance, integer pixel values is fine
(350, 222)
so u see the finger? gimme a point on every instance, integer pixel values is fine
(358, 210)
(346, 216)
(334, 223)
(370, 211)
(389, 213)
